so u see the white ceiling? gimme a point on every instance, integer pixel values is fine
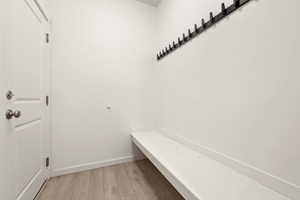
(151, 2)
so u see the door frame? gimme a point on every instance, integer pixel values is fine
(43, 14)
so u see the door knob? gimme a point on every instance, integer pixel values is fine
(10, 114)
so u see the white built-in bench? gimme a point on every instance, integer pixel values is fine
(196, 176)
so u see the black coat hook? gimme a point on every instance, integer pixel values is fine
(167, 51)
(224, 11)
(174, 45)
(236, 3)
(170, 47)
(190, 33)
(203, 23)
(211, 15)
(179, 41)
(184, 38)
(196, 28)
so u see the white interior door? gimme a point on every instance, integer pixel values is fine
(26, 123)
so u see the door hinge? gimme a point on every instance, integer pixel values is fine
(47, 38)
(47, 100)
(47, 162)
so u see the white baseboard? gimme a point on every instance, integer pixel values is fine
(275, 183)
(93, 165)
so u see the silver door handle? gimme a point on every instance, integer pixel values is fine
(10, 114)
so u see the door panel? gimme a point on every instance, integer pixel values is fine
(26, 48)
(29, 162)
(25, 66)
(31, 111)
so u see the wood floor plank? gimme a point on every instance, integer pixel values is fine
(141, 184)
(111, 190)
(80, 185)
(163, 187)
(64, 187)
(138, 180)
(50, 190)
(124, 182)
(96, 185)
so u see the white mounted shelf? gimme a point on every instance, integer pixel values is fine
(196, 176)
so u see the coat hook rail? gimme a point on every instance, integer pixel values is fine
(197, 30)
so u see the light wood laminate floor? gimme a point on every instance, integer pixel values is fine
(138, 180)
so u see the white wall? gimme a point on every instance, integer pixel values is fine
(102, 57)
(235, 88)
